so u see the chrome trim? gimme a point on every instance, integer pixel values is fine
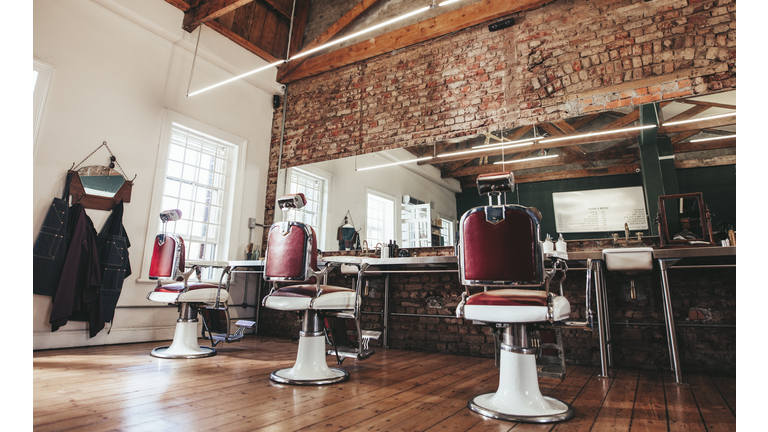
(567, 415)
(517, 349)
(159, 353)
(278, 379)
(303, 333)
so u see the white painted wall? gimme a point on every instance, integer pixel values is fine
(348, 189)
(118, 65)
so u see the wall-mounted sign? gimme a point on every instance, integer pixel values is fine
(600, 210)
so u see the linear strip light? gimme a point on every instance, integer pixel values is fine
(591, 134)
(525, 141)
(714, 138)
(480, 150)
(699, 119)
(525, 160)
(385, 23)
(237, 77)
(394, 163)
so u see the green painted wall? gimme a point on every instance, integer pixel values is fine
(718, 184)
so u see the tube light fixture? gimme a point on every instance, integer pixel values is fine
(525, 160)
(591, 134)
(700, 119)
(713, 138)
(394, 163)
(480, 150)
(377, 26)
(237, 77)
(525, 141)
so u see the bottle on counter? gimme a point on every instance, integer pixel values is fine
(548, 246)
(561, 245)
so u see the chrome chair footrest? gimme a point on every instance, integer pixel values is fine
(347, 352)
(371, 334)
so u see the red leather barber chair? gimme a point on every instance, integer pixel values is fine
(499, 248)
(291, 258)
(173, 287)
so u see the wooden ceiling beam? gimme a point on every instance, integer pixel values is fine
(449, 22)
(180, 4)
(705, 145)
(299, 26)
(688, 114)
(336, 28)
(207, 11)
(622, 168)
(234, 37)
(705, 162)
(708, 104)
(280, 7)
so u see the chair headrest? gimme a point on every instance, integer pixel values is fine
(170, 215)
(495, 183)
(292, 201)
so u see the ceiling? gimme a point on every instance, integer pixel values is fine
(263, 27)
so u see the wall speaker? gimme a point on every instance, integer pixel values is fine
(501, 25)
(275, 101)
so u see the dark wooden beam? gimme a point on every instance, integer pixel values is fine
(688, 114)
(241, 41)
(449, 22)
(621, 168)
(280, 7)
(208, 11)
(705, 145)
(180, 4)
(705, 162)
(299, 26)
(339, 26)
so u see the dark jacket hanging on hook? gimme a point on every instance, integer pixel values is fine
(112, 243)
(50, 248)
(78, 296)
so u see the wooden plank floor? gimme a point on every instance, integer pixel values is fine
(123, 388)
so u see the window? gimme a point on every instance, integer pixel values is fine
(380, 225)
(416, 226)
(446, 232)
(312, 187)
(41, 79)
(200, 171)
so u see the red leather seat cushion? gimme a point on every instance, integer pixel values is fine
(509, 297)
(178, 287)
(308, 290)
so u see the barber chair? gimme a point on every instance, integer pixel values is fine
(173, 287)
(291, 258)
(500, 248)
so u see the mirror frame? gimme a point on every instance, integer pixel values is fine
(706, 221)
(77, 192)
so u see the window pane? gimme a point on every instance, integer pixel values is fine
(176, 153)
(173, 169)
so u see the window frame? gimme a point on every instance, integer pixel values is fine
(232, 207)
(323, 176)
(394, 217)
(40, 95)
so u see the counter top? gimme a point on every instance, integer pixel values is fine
(391, 261)
(694, 252)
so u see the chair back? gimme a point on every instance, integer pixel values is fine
(167, 257)
(499, 244)
(291, 252)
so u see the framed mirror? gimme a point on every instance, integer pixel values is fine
(99, 187)
(684, 220)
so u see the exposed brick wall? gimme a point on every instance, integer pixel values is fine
(568, 58)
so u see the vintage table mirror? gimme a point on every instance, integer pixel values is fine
(684, 220)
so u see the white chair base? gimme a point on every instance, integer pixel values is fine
(184, 345)
(310, 367)
(518, 397)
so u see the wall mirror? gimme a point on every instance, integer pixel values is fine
(99, 187)
(684, 220)
(596, 145)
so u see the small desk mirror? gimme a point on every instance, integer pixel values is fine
(99, 187)
(684, 220)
